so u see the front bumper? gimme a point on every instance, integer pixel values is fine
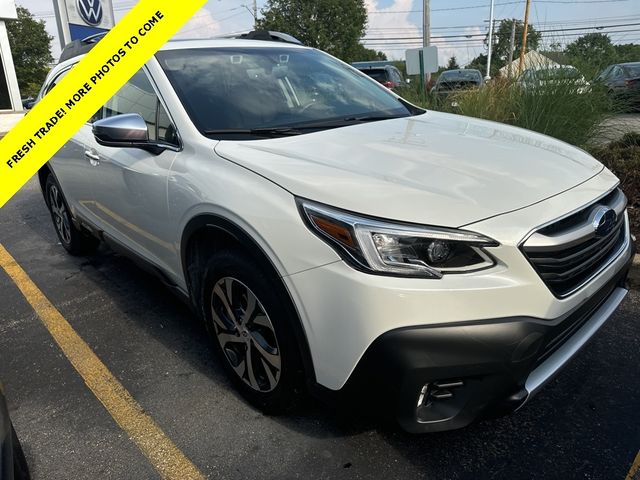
(443, 377)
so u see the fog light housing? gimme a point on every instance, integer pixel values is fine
(437, 401)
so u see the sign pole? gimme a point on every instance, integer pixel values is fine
(491, 24)
(62, 20)
(423, 78)
(426, 39)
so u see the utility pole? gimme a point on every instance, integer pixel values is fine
(512, 47)
(255, 14)
(524, 37)
(491, 22)
(426, 35)
(253, 11)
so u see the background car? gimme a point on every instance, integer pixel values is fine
(452, 81)
(387, 75)
(13, 465)
(559, 75)
(622, 81)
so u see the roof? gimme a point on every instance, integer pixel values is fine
(254, 39)
(532, 60)
(373, 64)
(177, 44)
(461, 70)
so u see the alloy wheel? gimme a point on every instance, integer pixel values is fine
(246, 335)
(60, 215)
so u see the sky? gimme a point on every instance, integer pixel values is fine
(395, 25)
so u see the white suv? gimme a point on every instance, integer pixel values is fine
(432, 266)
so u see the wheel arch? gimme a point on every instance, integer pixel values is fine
(206, 233)
(43, 173)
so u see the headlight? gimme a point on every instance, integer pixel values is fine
(397, 249)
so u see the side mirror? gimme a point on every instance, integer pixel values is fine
(128, 130)
(29, 104)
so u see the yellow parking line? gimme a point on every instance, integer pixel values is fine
(635, 469)
(165, 457)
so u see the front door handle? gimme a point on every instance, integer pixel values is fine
(93, 157)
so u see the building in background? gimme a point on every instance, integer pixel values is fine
(9, 92)
(78, 19)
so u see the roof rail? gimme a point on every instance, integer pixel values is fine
(80, 47)
(373, 64)
(265, 35)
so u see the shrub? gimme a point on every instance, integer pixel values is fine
(623, 159)
(562, 110)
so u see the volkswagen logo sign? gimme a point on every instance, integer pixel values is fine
(604, 221)
(90, 11)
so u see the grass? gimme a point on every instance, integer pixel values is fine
(560, 110)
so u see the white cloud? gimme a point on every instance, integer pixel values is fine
(448, 48)
(383, 23)
(202, 25)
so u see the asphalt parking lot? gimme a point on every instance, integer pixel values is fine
(585, 424)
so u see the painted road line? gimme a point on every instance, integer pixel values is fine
(165, 457)
(634, 471)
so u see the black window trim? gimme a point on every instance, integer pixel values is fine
(176, 148)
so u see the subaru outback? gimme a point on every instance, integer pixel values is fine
(333, 235)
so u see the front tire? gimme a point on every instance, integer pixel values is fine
(72, 239)
(249, 319)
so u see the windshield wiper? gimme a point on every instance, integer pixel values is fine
(373, 118)
(260, 132)
(286, 131)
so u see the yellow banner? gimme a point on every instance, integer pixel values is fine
(88, 86)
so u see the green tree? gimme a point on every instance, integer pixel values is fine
(31, 48)
(334, 26)
(628, 52)
(479, 63)
(591, 53)
(362, 54)
(452, 64)
(502, 42)
(595, 47)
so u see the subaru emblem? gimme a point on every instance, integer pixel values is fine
(90, 11)
(604, 221)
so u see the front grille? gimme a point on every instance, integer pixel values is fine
(568, 253)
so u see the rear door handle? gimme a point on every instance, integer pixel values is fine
(93, 157)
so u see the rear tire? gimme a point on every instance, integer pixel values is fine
(72, 239)
(249, 318)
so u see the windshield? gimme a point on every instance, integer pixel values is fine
(230, 91)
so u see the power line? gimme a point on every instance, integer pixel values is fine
(600, 27)
(478, 42)
(470, 7)
(585, 21)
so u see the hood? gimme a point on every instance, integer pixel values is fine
(435, 168)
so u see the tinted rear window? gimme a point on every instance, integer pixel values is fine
(461, 76)
(379, 75)
(633, 70)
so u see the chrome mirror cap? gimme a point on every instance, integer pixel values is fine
(121, 130)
